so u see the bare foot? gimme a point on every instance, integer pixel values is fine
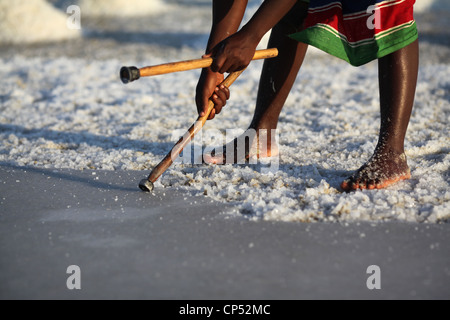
(382, 170)
(259, 143)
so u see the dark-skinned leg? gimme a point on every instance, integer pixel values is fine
(397, 79)
(277, 78)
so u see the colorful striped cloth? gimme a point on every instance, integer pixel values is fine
(359, 31)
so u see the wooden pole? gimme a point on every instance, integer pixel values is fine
(189, 135)
(196, 64)
(130, 74)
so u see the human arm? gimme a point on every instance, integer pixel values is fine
(235, 52)
(227, 16)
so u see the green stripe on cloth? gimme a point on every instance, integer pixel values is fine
(327, 39)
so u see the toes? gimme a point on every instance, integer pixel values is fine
(344, 185)
(213, 159)
(347, 185)
(375, 184)
(363, 185)
(371, 185)
(353, 184)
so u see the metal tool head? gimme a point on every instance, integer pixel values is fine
(146, 185)
(129, 74)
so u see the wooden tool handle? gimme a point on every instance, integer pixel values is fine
(196, 64)
(189, 135)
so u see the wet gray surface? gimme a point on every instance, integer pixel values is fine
(168, 245)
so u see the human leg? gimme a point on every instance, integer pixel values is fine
(277, 78)
(397, 80)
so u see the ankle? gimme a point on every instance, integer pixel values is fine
(389, 147)
(269, 124)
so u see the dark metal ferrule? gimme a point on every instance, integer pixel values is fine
(129, 74)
